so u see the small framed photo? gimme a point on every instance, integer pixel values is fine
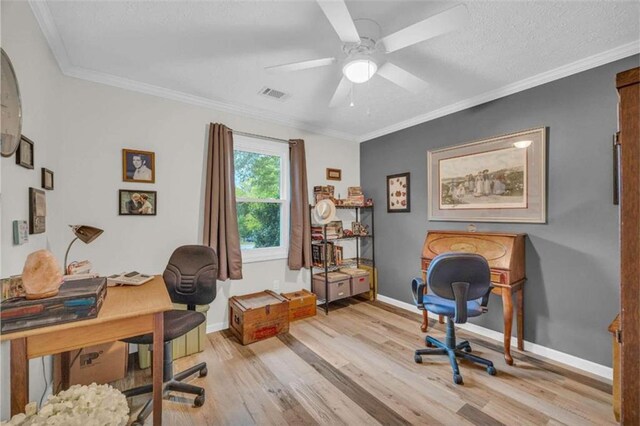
(334, 174)
(138, 166)
(134, 202)
(398, 196)
(47, 179)
(37, 211)
(24, 155)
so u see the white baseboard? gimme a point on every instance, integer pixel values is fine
(552, 354)
(216, 326)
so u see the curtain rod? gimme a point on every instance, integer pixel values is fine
(253, 135)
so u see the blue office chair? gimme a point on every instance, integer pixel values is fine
(461, 283)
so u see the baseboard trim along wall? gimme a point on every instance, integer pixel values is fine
(216, 326)
(552, 354)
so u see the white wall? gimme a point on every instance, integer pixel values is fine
(80, 128)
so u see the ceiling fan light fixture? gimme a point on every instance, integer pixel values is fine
(359, 70)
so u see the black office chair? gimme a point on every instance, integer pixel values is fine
(461, 283)
(190, 277)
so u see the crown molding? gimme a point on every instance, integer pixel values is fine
(45, 21)
(44, 18)
(597, 60)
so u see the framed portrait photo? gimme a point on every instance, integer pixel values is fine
(500, 179)
(138, 166)
(398, 196)
(137, 203)
(24, 155)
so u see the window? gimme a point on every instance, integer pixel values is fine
(262, 197)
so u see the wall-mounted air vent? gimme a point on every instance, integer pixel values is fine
(273, 94)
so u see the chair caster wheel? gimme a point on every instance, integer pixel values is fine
(491, 370)
(457, 379)
(198, 401)
(417, 359)
(203, 372)
(467, 349)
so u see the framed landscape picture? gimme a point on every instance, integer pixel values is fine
(500, 179)
(138, 166)
(136, 203)
(398, 199)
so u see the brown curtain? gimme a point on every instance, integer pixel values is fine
(220, 218)
(300, 234)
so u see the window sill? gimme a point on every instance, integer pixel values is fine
(263, 255)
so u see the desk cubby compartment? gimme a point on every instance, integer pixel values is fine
(359, 280)
(338, 284)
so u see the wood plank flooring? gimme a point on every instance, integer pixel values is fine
(355, 367)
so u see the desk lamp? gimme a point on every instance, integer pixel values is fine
(85, 233)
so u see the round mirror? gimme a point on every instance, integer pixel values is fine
(11, 120)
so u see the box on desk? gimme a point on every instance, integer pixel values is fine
(302, 304)
(100, 364)
(258, 316)
(76, 300)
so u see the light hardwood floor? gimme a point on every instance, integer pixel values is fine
(355, 367)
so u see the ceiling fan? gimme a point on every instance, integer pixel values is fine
(365, 50)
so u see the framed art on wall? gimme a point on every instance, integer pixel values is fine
(500, 179)
(398, 195)
(24, 154)
(47, 179)
(138, 166)
(134, 202)
(334, 174)
(37, 211)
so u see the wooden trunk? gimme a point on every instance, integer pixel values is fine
(302, 304)
(258, 316)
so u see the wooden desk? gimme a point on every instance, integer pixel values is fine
(505, 254)
(126, 312)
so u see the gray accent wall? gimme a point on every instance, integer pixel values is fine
(571, 294)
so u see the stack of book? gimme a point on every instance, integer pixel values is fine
(333, 231)
(355, 197)
(334, 254)
(76, 300)
(323, 192)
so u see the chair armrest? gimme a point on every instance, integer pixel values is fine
(485, 299)
(417, 288)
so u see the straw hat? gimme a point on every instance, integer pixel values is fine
(324, 212)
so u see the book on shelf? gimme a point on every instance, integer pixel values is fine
(318, 254)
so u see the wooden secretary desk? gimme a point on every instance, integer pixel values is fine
(505, 254)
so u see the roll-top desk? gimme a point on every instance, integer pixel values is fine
(505, 254)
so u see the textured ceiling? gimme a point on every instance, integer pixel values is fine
(217, 50)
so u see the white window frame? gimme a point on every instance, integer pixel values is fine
(260, 146)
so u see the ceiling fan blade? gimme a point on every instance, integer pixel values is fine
(337, 13)
(402, 78)
(297, 66)
(433, 26)
(341, 93)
